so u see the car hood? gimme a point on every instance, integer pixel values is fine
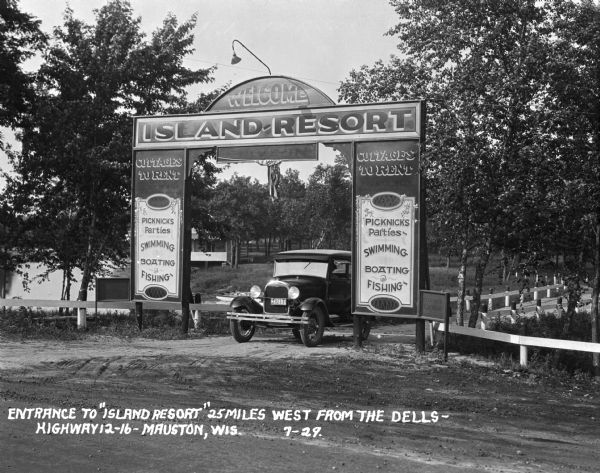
(309, 286)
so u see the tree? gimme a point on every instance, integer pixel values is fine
(237, 208)
(77, 144)
(478, 64)
(20, 38)
(328, 214)
(574, 123)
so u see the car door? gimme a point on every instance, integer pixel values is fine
(339, 283)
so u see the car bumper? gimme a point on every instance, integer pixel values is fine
(268, 318)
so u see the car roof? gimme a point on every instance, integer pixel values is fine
(316, 255)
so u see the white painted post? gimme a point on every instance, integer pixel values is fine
(535, 292)
(507, 297)
(513, 312)
(484, 315)
(196, 318)
(490, 300)
(431, 332)
(81, 318)
(523, 356)
(539, 311)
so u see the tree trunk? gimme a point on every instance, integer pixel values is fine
(595, 294)
(480, 266)
(574, 292)
(462, 272)
(86, 270)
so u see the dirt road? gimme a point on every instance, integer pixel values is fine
(378, 409)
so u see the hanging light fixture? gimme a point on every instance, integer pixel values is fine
(235, 58)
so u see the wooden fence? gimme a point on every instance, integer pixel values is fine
(523, 341)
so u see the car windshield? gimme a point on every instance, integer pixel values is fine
(300, 268)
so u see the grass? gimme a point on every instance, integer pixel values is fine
(218, 280)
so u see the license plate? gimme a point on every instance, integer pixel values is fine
(277, 301)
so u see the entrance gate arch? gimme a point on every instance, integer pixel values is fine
(284, 119)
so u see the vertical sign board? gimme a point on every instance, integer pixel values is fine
(386, 196)
(158, 233)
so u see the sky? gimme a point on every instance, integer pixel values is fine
(317, 41)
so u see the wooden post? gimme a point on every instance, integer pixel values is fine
(185, 312)
(491, 300)
(559, 307)
(507, 297)
(523, 356)
(357, 330)
(81, 318)
(513, 312)
(538, 308)
(535, 291)
(468, 301)
(446, 328)
(483, 315)
(430, 333)
(420, 335)
(139, 314)
(196, 316)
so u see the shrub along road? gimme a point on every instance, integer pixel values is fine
(458, 416)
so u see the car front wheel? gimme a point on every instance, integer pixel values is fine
(242, 330)
(312, 332)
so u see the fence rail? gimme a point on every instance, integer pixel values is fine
(155, 305)
(523, 341)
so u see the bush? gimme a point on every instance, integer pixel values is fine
(28, 323)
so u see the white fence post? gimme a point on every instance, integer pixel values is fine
(523, 356)
(507, 297)
(81, 318)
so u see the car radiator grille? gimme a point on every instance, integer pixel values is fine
(277, 292)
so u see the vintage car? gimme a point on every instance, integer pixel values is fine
(310, 290)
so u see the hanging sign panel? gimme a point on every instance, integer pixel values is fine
(322, 124)
(157, 244)
(386, 241)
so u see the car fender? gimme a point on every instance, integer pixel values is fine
(248, 303)
(310, 303)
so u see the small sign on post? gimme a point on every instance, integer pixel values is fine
(435, 306)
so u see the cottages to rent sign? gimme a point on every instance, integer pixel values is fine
(386, 225)
(280, 118)
(158, 224)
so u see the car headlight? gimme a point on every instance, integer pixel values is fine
(255, 291)
(293, 292)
